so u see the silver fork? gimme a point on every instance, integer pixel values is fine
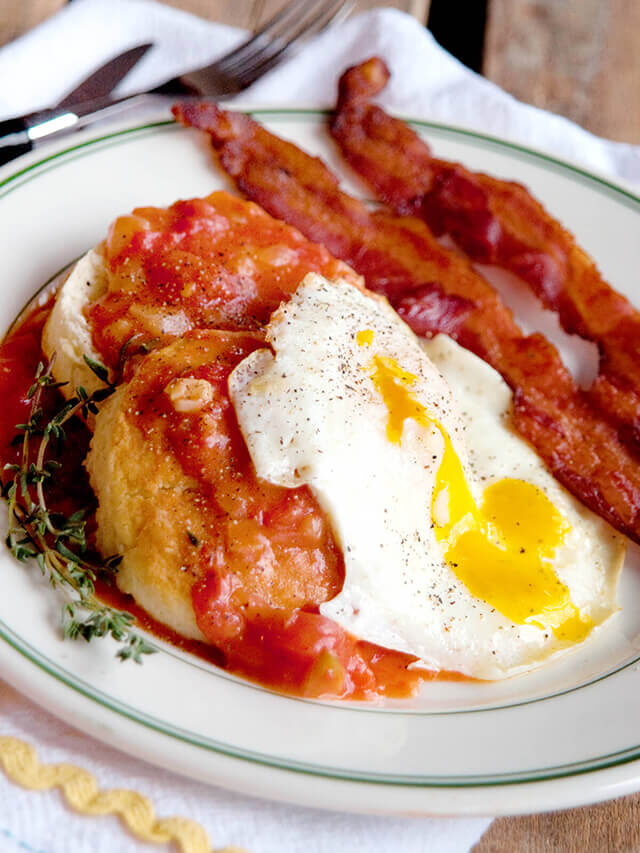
(287, 29)
(296, 22)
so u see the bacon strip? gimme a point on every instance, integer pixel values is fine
(435, 290)
(495, 222)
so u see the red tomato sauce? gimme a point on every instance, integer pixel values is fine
(20, 354)
(267, 559)
(293, 648)
(217, 262)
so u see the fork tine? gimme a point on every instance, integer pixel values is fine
(297, 12)
(237, 70)
(271, 29)
(252, 69)
(276, 47)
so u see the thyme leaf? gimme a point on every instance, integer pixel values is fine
(58, 543)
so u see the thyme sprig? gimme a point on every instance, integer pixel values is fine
(58, 543)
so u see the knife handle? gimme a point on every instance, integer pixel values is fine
(14, 139)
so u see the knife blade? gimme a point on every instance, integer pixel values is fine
(103, 80)
(18, 135)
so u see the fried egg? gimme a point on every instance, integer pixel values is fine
(460, 547)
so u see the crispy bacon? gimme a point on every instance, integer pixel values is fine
(495, 222)
(435, 289)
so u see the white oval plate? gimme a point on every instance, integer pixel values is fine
(567, 735)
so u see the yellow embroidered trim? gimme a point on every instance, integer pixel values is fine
(21, 764)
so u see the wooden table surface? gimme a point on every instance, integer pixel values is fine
(579, 58)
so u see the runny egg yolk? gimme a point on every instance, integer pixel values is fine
(502, 551)
(364, 336)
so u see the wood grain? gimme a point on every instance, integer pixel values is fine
(606, 828)
(579, 58)
(250, 13)
(18, 16)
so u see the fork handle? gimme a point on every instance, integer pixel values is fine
(14, 139)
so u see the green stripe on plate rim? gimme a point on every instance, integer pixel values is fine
(623, 195)
(544, 774)
(86, 148)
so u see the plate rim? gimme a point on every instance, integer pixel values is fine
(622, 194)
(288, 785)
(87, 138)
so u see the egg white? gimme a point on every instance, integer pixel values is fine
(310, 415)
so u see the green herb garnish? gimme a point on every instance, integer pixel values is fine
(56, 542)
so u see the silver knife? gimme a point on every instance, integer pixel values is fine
(19, 135)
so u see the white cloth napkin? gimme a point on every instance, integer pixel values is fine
(37, 70)
(42, 824)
